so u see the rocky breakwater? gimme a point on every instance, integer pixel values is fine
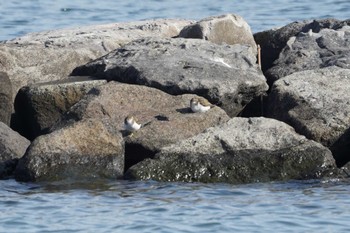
(80, 130)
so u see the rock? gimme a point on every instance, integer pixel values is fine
(308, 51)
(230, 29)
(273, 41)
(317, 104)
(243, 150)
(226, 75)
(86, 149)
(52, 55)
(41, 105)
(12, 147)
(166, 119)
(5, 99)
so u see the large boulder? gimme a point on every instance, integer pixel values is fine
(39, 106)
(5, 99)
(243, 150)
(227, 75)
(273, 41)
(317, 104)
(12, 147)
(52, 55)
(311, 50)
(166, 119)
(86, 149)
(230, 29)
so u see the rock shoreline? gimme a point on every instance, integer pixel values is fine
(68, 91)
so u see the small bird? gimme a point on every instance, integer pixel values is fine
(131, 125)
(200, 104)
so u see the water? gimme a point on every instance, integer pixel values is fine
(18, 17)
(124, 206)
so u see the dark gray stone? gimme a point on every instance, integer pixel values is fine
(41, 105)
(227, 75)
(317, 104)
(310, 50)
(273, 41)
(12, 147)
(243, 150)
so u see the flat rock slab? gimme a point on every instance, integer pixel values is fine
(88, 149)
(228, 29)
(12, 147)
(52, 55)
(39, 106)
(243, 150)
(317, 104)
(311, 50)
(167, 119)
(227, 75)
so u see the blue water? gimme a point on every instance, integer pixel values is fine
(20, 17)
(124, 206)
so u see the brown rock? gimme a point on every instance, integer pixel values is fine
(230, 29)
(166, 118)
(83, 150)
(5, 99)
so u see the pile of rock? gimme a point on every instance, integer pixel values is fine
(72, 108)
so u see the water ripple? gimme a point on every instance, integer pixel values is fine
(21, 17)
(174, 207)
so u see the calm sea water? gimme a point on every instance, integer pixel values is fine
(18, 17)
(123, 206)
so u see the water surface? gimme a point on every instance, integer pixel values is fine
(125, 206)
(20, 17)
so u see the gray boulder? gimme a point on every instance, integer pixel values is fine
(243, 150)
(5, 99)
(86, 149)
(12, 147)
(39, 106)
(166, 119)
(230, 29)
(227, 75)
(310, 50)
(317, 104)
(52, 55)
(273, 41)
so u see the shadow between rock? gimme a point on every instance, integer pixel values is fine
(341, 149)
(135, 153)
